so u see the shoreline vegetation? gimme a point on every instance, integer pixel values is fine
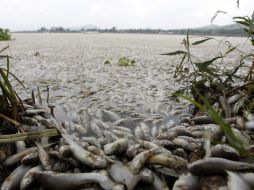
(4, 34)
(211, 30)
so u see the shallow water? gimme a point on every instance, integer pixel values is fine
(72, 66)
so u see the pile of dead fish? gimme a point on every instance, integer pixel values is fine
(106, 151)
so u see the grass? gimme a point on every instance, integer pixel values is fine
(10, 103)
(4, 34)
(205, 81)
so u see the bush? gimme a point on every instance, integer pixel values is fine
(4, 34)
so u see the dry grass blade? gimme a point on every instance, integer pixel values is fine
(28, 136)
(5, 48)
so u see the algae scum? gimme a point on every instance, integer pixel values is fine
(122, 129)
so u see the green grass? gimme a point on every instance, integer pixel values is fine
(4, 34)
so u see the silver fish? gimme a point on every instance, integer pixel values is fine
(116, 147)
(122, 174)
(138, 132)
(13, 180)
(14, 159)
(20, 146)
(187, 182)
(154, 131)
(96, 130)
(138, 161)
(30, 159)
(85, 156)
(64, 151)
(184, 144)
(44, 157)
(106, 115)
(147, 175)
(174, 162)
(225, 151)
(217, 165)
(158, 183)
(28, 178)
(60, 181)
(146, 131)
(248, 177)
(235, 182)
(92, 141)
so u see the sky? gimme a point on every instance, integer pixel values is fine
(166, 14)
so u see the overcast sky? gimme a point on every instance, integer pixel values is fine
(32, 14)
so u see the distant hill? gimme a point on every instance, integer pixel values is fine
(226, 30)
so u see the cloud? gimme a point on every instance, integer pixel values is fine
(32, 14)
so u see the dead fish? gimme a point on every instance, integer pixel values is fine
(20, 146)
(30, 159)
(29, 121)
(138, 132)
(96, 130)
(92, 141)
(239, 105)
(217, 165)
(154, 131)
(110, 135)
(106, 115)
(187, 182)
(235, 182)
(250, 125)
(164, 143)
(225, 106)
(225, 151)
(13, 180)
(80, 129)
(101, 124)
(198, 134)
(138, 161)
(127, 130)
(59, 181)
(184, 144)
(173, 162)
(181, 131)
(167, 135)
(121, 134)
(180, 153)
(147, 175)
(14, 159)
(33, 111)
(249, 116)
(64, 151)
(100, 152)
(28, 178)
(233, 99)
(248, 177)
(129, 123)
(166, 171)
(148, 145)
(158, 183)
(132, 150)
(146, 131)
(241, 135)
(202, 120)
(116, 147)
(122, 174)
(85, 156)
(44, 157)
(61, 166)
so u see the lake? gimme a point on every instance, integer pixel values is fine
(71, 65)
